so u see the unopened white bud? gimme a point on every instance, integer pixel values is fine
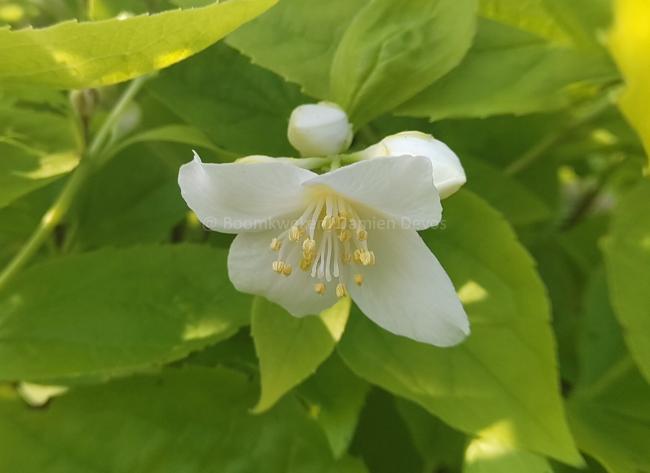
(448, 172)
(254, 159)
(320, 129)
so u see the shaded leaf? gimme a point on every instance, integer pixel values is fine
(113, 311)
(147, 420)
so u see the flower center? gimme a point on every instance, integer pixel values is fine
(329, 236)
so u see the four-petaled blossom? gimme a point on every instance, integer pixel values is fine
(306, 239)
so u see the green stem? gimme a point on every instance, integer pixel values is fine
(126, 98)
(549, 141)
(63, 202)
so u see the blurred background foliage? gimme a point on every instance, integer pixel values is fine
(125, 302)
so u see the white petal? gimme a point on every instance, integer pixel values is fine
(400, 187)
(408, 293)
(235, 198)
(321, 129)
(448, 172)
(249, 268)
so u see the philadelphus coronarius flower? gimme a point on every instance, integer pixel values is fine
(305, 239)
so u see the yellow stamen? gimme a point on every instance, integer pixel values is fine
(362, 235)
(345, 235)
(328, 222)
(341, 290)
(276, 244)
(295, 233)
(286, 269)
(305, 263)
(347, 258)
(358, 279)
(278, 266)
(356, 256)
(319, 288)
(309, 245)
(367, 258)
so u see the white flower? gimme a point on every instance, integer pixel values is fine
(321, 129)
(306, 239)
(448, 172)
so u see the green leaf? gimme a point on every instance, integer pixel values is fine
(508, 70)
(181, 134)
(113, 311)
(501, 384)
(627, 258)
(143, 207)
(335, 397)
(239, 106)
(609, 410)
(440, 446)
(291, 348)
(380, 64)
(36, 147)
(382, 438)
(584, 20)
(188, 420)
(75, 55)
(23, 169)
(514, 200)
(532, 16)
(488, 456)
(297, 39)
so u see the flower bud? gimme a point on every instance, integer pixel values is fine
(255, 159)
(321, 129)
(448, 173)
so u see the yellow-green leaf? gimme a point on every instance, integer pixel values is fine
(75, 55)
(291, 348)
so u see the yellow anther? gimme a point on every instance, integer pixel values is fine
(319, 288)
(367, 258)
(358, 279)
(341, 290)
(296, 233)
(328, 222)
(362, 235)
(286, 269)
(276, 244)
(305, 263)
(341, 222)
(308, 246)
(345, 235)
(278, 266)
(347, 258)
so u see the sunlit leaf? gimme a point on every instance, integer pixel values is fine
(423, 40)
(75, 55)
(509, 70)
(501, 383)
(290, 348)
